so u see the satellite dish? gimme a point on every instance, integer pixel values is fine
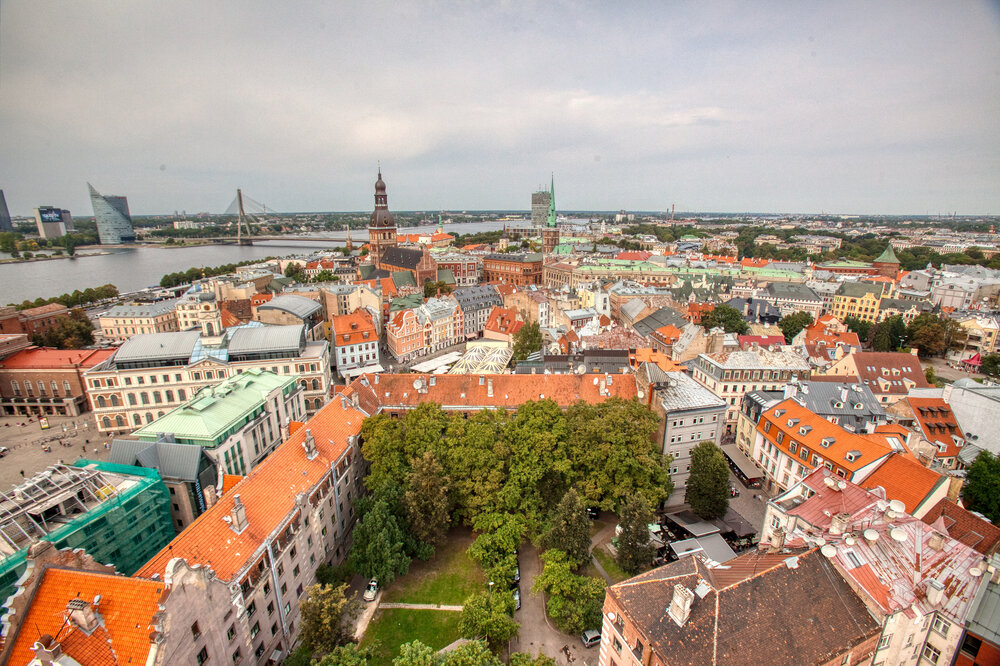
(898, 534)
(612, 616)
(640, 394)
(418, 384)
(828, 550)
(897, 506)
(581, 369)
(871, 535)
(850, 541)
(975, 572)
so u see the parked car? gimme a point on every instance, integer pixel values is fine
(590, 638)
(517, 573)
(4, 451)
(372, 590)
(593, 513)
(517, 598)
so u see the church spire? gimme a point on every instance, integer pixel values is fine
(552, 203)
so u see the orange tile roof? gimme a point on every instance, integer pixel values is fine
(268, 493)
(938, 424)
(503, 320)
(350, 329)
(866, 577)
(905, 480)
(870, 449)
(869, 367)
(127, 608)
(669, 332)
(964, 526)
(461, 391)
(649, 355)
(260, 299)
(228, 318)
(54, 359)
(230, 480)
(634, 255)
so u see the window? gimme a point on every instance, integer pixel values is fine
(941, 625)
(617, 645)
(251, 608)
(883, 642)
(931, 654)
(237, 656)
(202, 656)
(254, 630)
(284, 588)
(295, 571)
(195, 630)
(274, 628)
(971, 645)
(270, 608)
(259, 651)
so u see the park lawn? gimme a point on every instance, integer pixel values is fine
(448, 578)
(610, 566)
(394, 626)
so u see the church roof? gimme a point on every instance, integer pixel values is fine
(887, 257)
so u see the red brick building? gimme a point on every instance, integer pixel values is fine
(38, 320)
(516, 269)
(41, 380)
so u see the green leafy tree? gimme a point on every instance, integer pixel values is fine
(346, 655)
(569, 529)
(296, 271)
(981, 491)
(72, 332)
(432, 288)
(862, 328)
(708, 486)
(326, 615)
(473, 653)
(725, 317)
(790, 325)
(495, 549)
(525, 659)
(487, 615)
(933, 335)
(527, 340)
(415, 653)
(574, 602)
(991, 365)
(378, 547)
(425, 502)
(325, 275)
(929, 375)
(635, 549)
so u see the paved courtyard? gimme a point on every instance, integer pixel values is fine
(66, 437)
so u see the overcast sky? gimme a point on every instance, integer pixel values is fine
(791, 106)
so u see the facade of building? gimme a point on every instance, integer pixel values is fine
(414, 332)
(540, 207)
(533, 306)
(198, 310)
(291, 309)
(31, 321)
(730, 375)
(467, 268)
(123, 321)
(119, 515)
(477, 303)
(382, 228)
(516, 269)
(889, 375)
(690, 414)
(859, 300)
(5, 223)
(151, 374)
(418, 262)
(792, 297)
(355, 343)
(41, 381)
(53, 222)
(114, 223)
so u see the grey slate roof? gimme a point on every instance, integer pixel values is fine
(792, 290)
(681, 393)
(658, 319)
(157, 346)
(755, 309)
(480, 297)
(858, 289)
(402, 257)
(143, 309)
(823, 398)
(172, 460)
(262, 339)
(530, 257)
(300, 306)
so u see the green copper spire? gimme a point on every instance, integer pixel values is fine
(552, 203)
(887, 257)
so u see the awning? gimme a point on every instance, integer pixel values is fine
(975, 359)
(713, 546)
(690, 522)
(354, 372)
(749, 470)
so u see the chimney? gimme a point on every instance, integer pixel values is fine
(680, 604)
(239, 516)
(936, 542)
(285, 429)
(839, 523)
(47, 651)
(791, 390)
(309, 444)
(376, 378)
(777, 540)
(843, 394)
(914, 351)
(489, 387)
(935, 592)
(82, 615)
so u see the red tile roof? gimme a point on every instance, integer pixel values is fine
(55, 359)
(964, 526)
(669, 332)
(906, 480)
(885, 372)
(634, 255)
(938, 424)
(350, 329)
(503, 320)
(127, 608)
(268, 493)
(461, 391)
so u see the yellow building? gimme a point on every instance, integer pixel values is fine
(859, 300)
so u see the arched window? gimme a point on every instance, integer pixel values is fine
(114, 400)
(101, 402)
(159, 414)
(131, 398)
(168, 396)
(149, 417)
(119, 420)
(156, 397)
(181, 395)
(136, 420)
(144, 397)
(315, 385)
(106, 422)
(55, 387)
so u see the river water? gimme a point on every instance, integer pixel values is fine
(135, 268)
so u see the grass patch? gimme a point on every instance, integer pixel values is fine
(447, 578)
(395, 626)
(609, 564)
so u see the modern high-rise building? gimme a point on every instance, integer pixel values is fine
(5, 223)
(53, 222)
(540, 207)
(114, 223)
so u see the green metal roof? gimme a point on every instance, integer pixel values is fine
(216, 412)
(887, 257)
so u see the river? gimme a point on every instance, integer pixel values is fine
(131, 269)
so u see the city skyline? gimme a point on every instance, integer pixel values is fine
(844, 108)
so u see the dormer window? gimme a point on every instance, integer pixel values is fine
(779, 412)
(792, 423)
(851, 456)
(805, 430)
(827, 442)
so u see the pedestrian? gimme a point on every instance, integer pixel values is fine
(22, 473)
